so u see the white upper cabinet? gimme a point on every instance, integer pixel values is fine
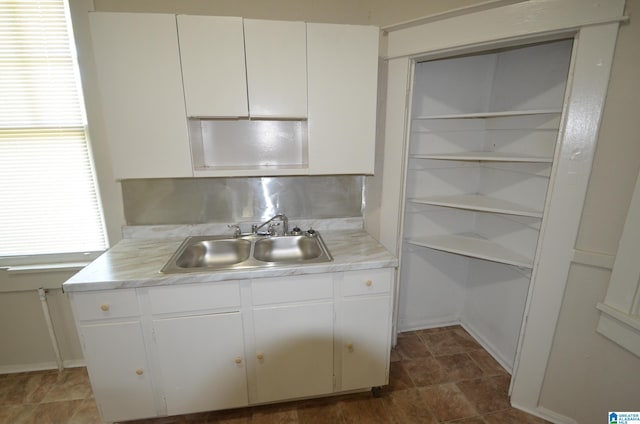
(219, 82)
(213, 66)
(276, 53)
(342, 65)
(140, 82)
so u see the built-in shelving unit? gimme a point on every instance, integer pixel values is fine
(481, 115)
(474, 247)
(482, 144)
(484, 157)
(478, 202)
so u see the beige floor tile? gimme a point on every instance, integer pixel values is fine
(71, 384)
(318, 413)
(409, 407)
(54, 412)
(87, 413)
(275, 416)
(472, 420)
(365, 410)
(399, 379)
(486, 362)
(16, 414)
(426, 371)
(459, 366)
(410, 346)
(487, 394)
(448, 342)
(447, 402)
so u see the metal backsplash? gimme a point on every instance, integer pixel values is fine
(225, 200)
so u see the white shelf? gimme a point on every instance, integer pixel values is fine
(482, 115)
(473, 247)
(478, 202)
(484, 156)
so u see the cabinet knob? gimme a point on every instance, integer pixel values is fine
(260, 356)
(350, 347)
(139, 371)
(238, 360)
(369, 283)
(105, 307)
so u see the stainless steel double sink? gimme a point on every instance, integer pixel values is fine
(209, 253)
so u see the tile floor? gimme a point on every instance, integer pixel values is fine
(437, 376)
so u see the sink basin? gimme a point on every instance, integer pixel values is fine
(292, 248)
(211, 253)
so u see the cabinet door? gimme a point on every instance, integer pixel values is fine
(117, 364)
(140, 82)
(276, 68)
(343, 79)
(213, 66)
(202, 362)
(364, 333)
(294, 351)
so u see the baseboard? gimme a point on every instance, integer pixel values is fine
(546, 414)
(405, 326)
(504, 363)
(40, 366)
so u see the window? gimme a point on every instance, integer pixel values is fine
(48, 197)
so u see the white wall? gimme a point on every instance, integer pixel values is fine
(588, 375)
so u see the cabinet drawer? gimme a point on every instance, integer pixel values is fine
(106, 304)
(372, 281)
(196, 297)
(291, 289)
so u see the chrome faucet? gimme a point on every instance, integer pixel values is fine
(282, 217)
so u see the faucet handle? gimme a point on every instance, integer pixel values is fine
(236, 229)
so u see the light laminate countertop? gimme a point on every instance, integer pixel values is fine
(135, 263)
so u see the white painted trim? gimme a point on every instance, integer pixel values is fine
(41, 366)
(479, 7)
(591, 65)
(595, 259)
(546, 414)
(524, 19)
(620, 327)
(491, 350)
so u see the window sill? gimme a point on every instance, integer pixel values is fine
(620, 327)
(51, 276)
(45, 268)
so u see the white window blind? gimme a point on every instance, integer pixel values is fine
(48, 196)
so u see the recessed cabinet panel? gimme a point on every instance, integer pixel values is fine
(276, 54)
(142, 99)
(364, 334)
(343, 80)
(213, 66)
(202, 362)
(120, 375)
(294, 351)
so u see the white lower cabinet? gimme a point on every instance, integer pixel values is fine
(294, 351)
(201, 362)
(117, 362)
(195, 347)
(363, 329)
